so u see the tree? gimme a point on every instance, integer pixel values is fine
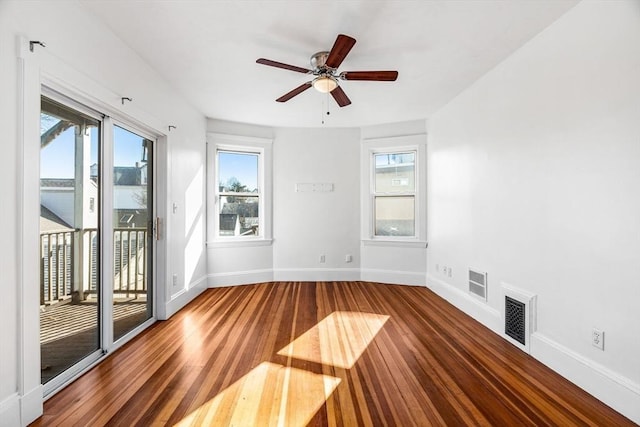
(235, 186)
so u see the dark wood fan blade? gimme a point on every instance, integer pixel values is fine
(296, 91)
(339, 51)
(281, 65)
(383, 76)
(340, 97)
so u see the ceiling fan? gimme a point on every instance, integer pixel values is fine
(325, 69)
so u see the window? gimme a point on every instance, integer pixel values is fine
(238, 193)
(394, 194)
(394, 191)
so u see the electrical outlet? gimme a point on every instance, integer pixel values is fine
(322, 259)
(597, 338)
(175, 280)
(348, 258)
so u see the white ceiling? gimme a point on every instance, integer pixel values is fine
(207, 51)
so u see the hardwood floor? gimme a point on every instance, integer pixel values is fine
(322, 353)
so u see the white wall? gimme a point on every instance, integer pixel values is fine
(84, 56)
(534, 177)
(309, 224)
(305, 224)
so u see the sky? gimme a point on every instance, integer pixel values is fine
(57, 158)
(242, 166)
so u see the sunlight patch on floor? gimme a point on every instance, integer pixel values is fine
(269, 395)
(337, 340)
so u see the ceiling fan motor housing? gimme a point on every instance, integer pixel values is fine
(318, 61)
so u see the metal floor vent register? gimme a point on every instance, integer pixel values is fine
(514, 319)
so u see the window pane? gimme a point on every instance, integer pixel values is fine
(237, 172)
(395, 216)
(395, 172)
(132, 234)
(239, 216)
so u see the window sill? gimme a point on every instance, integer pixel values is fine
(231, 243)
(395, 243)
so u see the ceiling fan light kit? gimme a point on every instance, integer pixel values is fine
(324, 66)
(325, 84)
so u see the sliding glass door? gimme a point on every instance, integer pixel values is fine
(96, 236)
(70, 288)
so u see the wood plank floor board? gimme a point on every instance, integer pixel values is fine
(322, 354)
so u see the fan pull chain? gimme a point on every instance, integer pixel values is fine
(326, 103)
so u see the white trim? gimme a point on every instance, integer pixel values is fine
(369, 147)
(474, 307)
(316, 274)
(239, 278)
(396, 277)
(395, 139)
(31, 405)
(183, 297)
(10, 409)
(28, 210)
(217, 137)
(247, 242)
(617, 391)
(247, 144)
(395, 243)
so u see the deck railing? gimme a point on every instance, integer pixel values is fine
(69, 263)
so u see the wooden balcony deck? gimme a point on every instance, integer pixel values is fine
(68, 332)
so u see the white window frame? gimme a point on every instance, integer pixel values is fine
(239, 144)
(400, 144)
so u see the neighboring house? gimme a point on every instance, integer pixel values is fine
(130, 196)
(250, 225)
(57, 195)
(229, 225)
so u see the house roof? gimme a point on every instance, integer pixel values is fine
(50, 222)
(228, 222)
(57, 183)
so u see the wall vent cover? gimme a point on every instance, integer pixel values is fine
(514, 319)
(478, 283)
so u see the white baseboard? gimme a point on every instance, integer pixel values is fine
(239, 278)
(316, 274)
(474, 307)
(18, 410)
(10, 411)
(182, 298)
(392, 276)
(615, 390)
(31, 405)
